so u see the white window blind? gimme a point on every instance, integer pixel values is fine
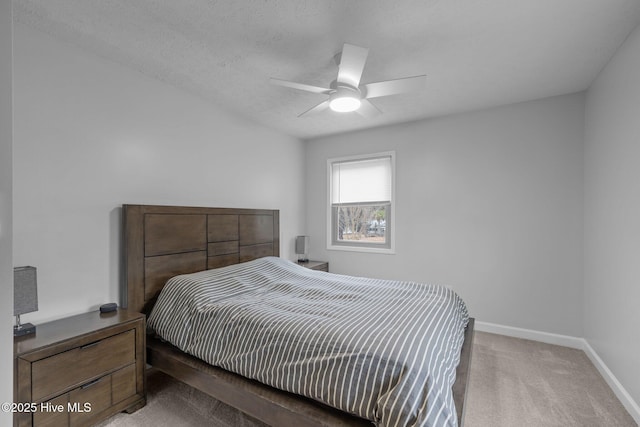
(361, 181)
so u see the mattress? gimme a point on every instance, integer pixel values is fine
(383, 350)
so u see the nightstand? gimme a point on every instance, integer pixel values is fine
(316, 265)
(80, 370)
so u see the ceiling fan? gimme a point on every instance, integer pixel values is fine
(347, 94)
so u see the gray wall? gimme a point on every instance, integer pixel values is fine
(91, 135)
(612, 215)
(6, 257)
(488, 202)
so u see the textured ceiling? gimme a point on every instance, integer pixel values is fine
(475, 53)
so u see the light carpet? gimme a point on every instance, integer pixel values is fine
(514, 383)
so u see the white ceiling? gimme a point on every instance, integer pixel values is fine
(475, 53)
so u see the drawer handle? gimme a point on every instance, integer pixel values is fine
(89, 345)
(89, 384)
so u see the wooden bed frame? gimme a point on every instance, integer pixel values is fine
(163, 241)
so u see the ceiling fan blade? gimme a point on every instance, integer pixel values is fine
(316, 109)
(300, 86)
(393, 87)
(367, 109)
(352, 62)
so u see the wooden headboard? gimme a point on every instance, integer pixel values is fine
(163, 241)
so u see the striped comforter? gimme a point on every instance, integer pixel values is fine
(382, 350)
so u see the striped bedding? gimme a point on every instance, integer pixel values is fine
(382, 350)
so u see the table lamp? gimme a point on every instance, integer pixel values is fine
(25, 298)
(302, 248)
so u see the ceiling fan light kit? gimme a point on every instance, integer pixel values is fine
(344, 100)
(346, 93)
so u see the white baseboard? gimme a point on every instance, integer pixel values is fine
(625, 398)
(528, 334)
(573, 342)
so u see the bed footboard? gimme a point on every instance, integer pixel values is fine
(267, 404)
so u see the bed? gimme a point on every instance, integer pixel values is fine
(162, 242)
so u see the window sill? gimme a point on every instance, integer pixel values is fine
(366, 249)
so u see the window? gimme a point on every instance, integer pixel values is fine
(361, 203)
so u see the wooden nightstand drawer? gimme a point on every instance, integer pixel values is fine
(97, 393)
(81, 405)
(52, 375)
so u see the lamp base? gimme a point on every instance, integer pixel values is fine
(24, 329)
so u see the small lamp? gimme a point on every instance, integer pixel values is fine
(302, 248)
(25, 298)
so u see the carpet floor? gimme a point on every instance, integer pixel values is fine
(513, 383)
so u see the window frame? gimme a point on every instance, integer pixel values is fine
(354, 246)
